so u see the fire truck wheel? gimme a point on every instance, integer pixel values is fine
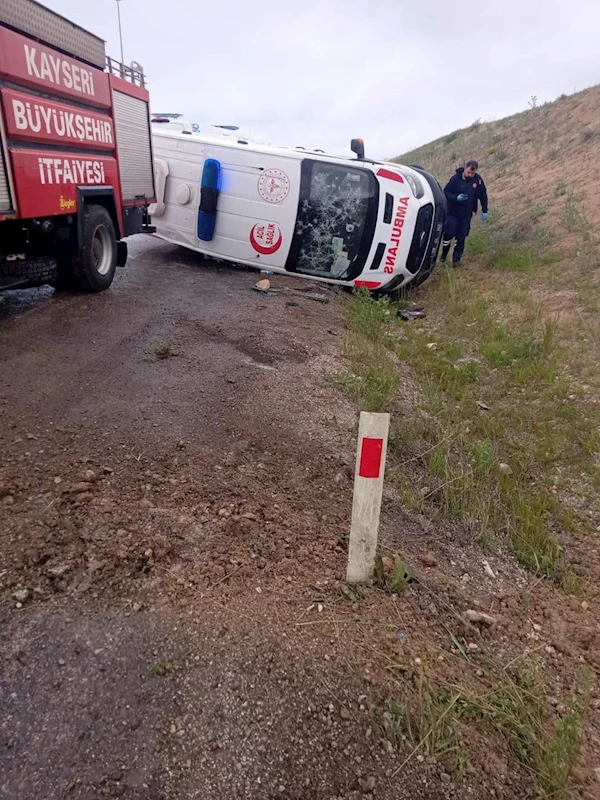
(95, 269)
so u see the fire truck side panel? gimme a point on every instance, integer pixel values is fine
(134, 148)
(36, 66)
(46, 180)
(35, 119)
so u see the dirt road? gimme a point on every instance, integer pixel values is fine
(170, 507)
(175, 497)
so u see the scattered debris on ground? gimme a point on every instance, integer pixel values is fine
(411, 313)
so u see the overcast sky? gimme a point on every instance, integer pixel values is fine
(316, 73)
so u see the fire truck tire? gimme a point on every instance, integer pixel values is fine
(33, 271)
(94, 270)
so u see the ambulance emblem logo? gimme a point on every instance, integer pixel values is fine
(273, 186)
(266, 238)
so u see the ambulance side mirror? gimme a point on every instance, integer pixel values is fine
(358, 146)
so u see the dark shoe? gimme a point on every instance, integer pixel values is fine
(456, 263)
(443, 259)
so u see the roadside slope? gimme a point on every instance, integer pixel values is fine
(495, 445)
(531, 161)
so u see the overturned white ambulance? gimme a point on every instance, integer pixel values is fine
(353, 222)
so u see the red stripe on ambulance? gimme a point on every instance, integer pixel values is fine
(367, 284)
(391, 176)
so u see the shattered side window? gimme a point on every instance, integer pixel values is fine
(331, 227)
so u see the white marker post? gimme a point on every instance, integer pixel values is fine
(368, 489)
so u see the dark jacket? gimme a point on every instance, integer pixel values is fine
(474, 188)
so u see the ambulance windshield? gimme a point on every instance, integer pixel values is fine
(336, 220)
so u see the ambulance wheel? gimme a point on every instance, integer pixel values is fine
(95, 269)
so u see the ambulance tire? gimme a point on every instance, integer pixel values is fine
(94, 270)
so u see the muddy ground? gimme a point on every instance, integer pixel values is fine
(175, 496)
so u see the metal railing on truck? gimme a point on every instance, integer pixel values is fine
(133, 74)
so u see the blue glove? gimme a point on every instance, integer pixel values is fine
(484, 216)
(462, 197)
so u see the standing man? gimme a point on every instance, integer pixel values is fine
(463, 192)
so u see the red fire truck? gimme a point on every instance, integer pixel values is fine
(76, 173)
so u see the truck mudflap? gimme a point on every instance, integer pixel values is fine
(122, 253)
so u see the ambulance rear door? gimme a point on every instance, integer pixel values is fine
(257, 204)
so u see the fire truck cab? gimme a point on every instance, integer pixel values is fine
(76, 173)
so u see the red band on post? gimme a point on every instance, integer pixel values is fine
(370, 458)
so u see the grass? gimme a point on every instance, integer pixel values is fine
(561, 188)
(490, 391)
(397, 581)
(162, 350)
(494, 424)
(428, 724)
(437, 720)
(366, 318)
(372, 389)
(160, 669)
(488, 424)
(556, 763)
(372, 378)
(512, 246)
(576, 221)
(516, 708)
(508, 149)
